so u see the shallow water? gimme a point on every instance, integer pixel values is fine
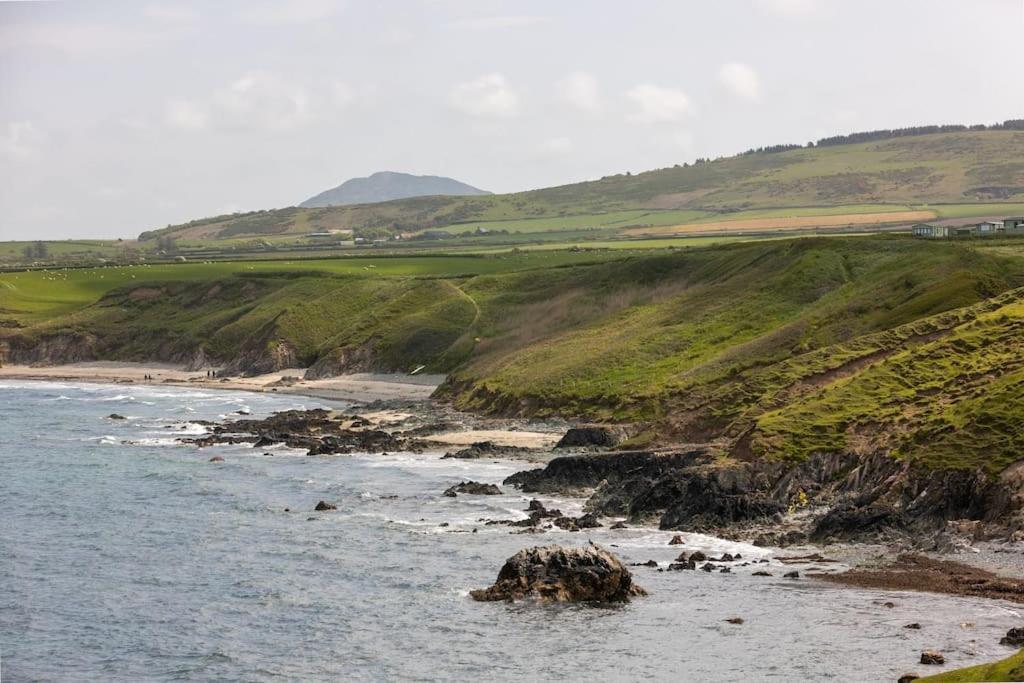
(126, 556)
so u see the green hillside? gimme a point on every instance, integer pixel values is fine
(955, 174)
(776, 348)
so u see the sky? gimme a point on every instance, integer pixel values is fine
(118, 117)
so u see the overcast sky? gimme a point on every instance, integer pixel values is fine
(116, 117)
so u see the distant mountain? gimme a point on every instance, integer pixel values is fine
(387, 185)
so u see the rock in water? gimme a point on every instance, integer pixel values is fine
(473, 488)
(1014, 637)
(907, 678)
(932, 657)
(555, 574)
(324, 505)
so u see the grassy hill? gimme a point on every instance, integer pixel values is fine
(896, 179)
(775, 349)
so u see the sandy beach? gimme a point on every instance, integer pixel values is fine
(361, 387)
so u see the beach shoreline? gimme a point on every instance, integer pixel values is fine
(356, 387)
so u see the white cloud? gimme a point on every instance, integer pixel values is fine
(291, 12)
(790, 7)
(499, 22)
(489, 95)
(186, 115)
(262, 100)
(581, 90)
(265, 100)
(658, 104)
(19, 140)
(741, 80)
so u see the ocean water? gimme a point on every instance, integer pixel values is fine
(125, 556)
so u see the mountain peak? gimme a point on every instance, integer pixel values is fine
(384, 186)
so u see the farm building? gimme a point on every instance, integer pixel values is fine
(1012, 225)
(928, 230)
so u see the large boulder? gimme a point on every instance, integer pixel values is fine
(591, 435)
(555, 574)
(474, 488)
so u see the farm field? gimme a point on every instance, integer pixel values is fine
(787, 223)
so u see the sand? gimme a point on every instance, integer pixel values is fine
(501, 437)
(361, 387)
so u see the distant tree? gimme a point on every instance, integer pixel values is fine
(29, 251)
(42, 250)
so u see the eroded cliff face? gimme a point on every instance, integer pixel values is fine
(51, 349)
(346, 360)
(838, 496)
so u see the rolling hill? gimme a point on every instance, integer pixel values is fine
(386, 186)
(884, 179)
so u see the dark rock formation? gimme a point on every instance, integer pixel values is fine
(592, 435)
(323, 506)
(932, 657)
(115, 416)
(1014, 637)
(474, 488)
(556, 574)
(487, 449)
(861, 497)
(318, 432)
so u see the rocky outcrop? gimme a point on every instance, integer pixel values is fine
(593, 436)
(318, 432)
(1014, 638)
(340, 361)
(473, 488)
(857, 497)
(556, 574)
(49, 349)
(487, 449)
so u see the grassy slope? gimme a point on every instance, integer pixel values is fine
(1009, 669)
(929, 169)
(783, 347)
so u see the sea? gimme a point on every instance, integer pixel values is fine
(126, 555)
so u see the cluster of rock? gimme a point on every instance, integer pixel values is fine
(474, 488)
(849, 497)
(556, 574)
(487, 449)
(318, 432)
(540, 518)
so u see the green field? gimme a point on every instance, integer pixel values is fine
(33, 295)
